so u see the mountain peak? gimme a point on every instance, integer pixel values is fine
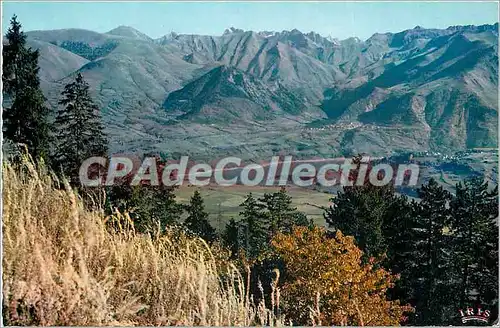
(267, 34)
(233, 30)
(128, 32)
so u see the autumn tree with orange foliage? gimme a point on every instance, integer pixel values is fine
(325, 282)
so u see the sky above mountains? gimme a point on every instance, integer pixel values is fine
(337, 19)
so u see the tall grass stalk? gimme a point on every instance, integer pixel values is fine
(66, 265)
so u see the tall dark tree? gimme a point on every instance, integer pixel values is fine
(281, 215)
(474, 229)
(399, 236)
(149, 207)
(361, 211)
(432, 257)
(197, 220)
(254, 227)
(25, 114)
(262, 218)
(80, 132)
(366, 212)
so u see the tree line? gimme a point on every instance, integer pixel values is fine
(443, 246)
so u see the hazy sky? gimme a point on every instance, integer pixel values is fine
(338, 19)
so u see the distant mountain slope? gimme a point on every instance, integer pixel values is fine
(265, 57)
(129, 76)
(448, 86)
(226, 93)
(418, 89)
(56, 63)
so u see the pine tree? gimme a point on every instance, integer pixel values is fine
(475, 243)
(282, 216)
(397, 232)
(361, 211)
(164, 206)
(150, 207)
(399, 237)
(79, 130)
(430, 273)
(254, 227)
(25, 114)
(366, 212)
(197, 220)
(262, 218)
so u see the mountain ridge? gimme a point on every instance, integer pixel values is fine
(417, 80)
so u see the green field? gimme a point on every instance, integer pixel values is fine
(226, 201)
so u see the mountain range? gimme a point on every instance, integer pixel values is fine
(255, 94)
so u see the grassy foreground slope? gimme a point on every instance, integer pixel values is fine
(65, 265)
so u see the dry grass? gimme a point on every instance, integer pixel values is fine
(63, 265)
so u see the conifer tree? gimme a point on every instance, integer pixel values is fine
(149, 207)
(262, 218)
(281, 215)
(432, 257)
(475, 243)
(79, 130)
(361, 211)
(254, 227)
(25, 114)
(366, 212)
(197, 220)
(399, 237)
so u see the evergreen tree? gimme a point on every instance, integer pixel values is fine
(262, 218)
(25, 114)
(366, 212)
(79, 130)
(281, 215)
(432, 258)
(399, 236)
(254, 227)
(475, 243)
(397, 232)
(150, 207)
(197, 220)
(361, 211)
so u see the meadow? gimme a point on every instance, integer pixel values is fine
(223, 203)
